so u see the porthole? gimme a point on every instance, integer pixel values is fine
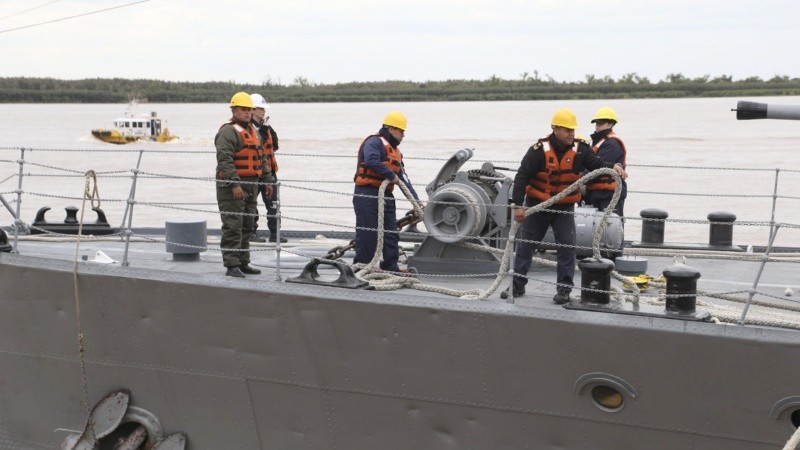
(787, 409)
(607, 398)
(608, 392)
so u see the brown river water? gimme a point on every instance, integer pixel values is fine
(666, 140)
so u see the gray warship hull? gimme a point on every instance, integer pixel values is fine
(259, 363)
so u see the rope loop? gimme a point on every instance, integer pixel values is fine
(92, 195)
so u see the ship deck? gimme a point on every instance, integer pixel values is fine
(779, 282)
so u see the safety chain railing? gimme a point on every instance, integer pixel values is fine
(136, 174)
(686, 221)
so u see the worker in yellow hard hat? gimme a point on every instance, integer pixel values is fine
(549, 166)
(241, 172)
(609, 146)
(379, 159)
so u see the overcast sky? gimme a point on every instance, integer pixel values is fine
(356, 40)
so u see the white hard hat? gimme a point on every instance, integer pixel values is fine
(259, 101)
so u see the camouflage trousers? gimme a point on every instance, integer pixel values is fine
(237, 222)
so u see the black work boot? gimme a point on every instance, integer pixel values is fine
(515, 291)
(246, 268)
(561, 298)
(234, 272)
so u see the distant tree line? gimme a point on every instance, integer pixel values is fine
(527, 87)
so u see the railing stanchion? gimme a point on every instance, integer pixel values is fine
(511, 255)
(17, 220)
(277, 205)
(774, 202)
(764, 259)
(128, 214)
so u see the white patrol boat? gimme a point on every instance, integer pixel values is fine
(131, 128)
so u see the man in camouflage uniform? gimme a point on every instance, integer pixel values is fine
(241, 172)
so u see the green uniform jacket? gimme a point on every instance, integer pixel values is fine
(228, 142)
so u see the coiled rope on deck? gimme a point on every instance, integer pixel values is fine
(388, 281)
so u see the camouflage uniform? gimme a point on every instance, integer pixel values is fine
(237, 216)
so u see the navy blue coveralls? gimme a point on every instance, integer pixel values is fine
(562, 219)
(365, 204)
(269, 201)
(610, 151)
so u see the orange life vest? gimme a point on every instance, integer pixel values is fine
(606, 182)
(249, 159)
(555, 176)
(393, 160)
(269, 153)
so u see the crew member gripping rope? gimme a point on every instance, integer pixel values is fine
(379, 160)
(548, 167)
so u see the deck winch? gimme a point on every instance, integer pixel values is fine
(474, 207)
(469, 206)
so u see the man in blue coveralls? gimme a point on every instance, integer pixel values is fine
(379, 158)
(609, 146)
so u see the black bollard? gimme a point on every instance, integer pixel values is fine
(653, 225)
(720, 234)
(72, 215)
(681, 288)
(595, 274)
(4, 245)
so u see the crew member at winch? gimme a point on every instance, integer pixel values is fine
(609, 146)
(379, 158)
(241, 169)
(548, 167)
(269, 141)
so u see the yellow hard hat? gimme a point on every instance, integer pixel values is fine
(395, 119)
(241, 99)
(605, 113)
(564, 118)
